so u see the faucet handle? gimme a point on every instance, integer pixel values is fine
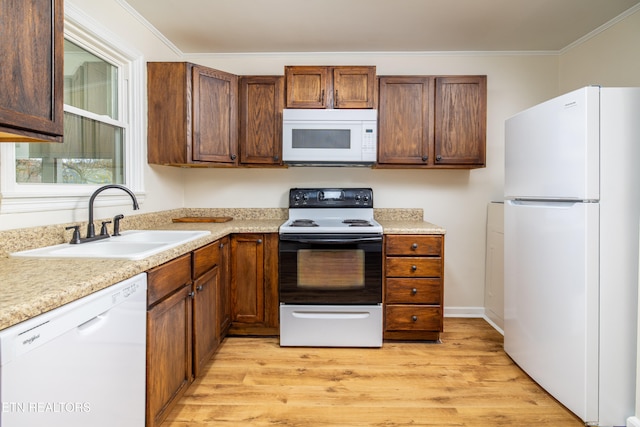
(75, 239)
(116, 224)
(103, 230)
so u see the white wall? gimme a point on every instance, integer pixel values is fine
(609, 58)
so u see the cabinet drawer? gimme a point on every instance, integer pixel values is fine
(413, 318)
(205, 258)
(413, 267)
(411, 244)
(413, 291)
(166, 278)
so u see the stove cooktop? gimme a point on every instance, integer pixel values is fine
(331, 210)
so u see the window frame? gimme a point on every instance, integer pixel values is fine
(90, 35)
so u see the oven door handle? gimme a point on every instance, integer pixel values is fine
(342, 241)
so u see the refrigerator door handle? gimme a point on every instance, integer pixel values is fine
(558, 204)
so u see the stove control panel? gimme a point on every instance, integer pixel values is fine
(331, 198)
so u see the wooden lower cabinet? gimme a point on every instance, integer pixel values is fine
(223, 312)
(205, 301)
(186, 297)
(414, 277)
(254, 284)
(169, 337)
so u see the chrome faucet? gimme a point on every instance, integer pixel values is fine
(91, 231)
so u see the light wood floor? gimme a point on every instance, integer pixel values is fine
(467, 380)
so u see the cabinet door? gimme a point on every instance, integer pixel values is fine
(169, 331)
(215, 129)
(261, 104)
(460, 120)
(405, 120)
(31, 99)
(169, 113)
(354, 87)
(223, 320)
(247, 278)
(254, 284)
(307, 86)
(205, 340)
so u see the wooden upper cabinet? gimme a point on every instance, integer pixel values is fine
(330, 87)
(307, 87)
(432, 122)
(31, 99)
(354, 87)
(405, 120)
(460, 120)
(261, 103)
(215, 120)
(192, 115)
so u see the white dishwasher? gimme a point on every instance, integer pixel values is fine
(80, 365)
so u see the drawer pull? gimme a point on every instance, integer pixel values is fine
(414, 318)
(414, 291)
(414, 267)
(414, 246)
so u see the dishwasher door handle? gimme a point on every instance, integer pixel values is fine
(93, 323)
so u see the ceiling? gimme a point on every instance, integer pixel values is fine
(242, 26)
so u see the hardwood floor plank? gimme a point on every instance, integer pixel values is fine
(467, 380)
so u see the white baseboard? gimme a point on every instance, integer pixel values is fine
(472, 312)
(633, 422)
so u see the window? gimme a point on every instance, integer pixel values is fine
(103, 136)
(93, 132)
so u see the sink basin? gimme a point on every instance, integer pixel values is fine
(131, 245)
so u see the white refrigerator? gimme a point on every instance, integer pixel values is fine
(572, 208)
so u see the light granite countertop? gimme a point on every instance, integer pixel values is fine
(30, 286)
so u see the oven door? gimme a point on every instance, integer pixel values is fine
(330, 269)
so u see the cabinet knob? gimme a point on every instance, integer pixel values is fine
(414, 291)
(425, 158)
(414, 246)
(233, 157)
(276, 158)
(438, 158)
(199, 288)
(221, 245)
(414, 267)
(259, 241)
(192, 294)
(414, 318)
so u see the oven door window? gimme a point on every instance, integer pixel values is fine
(330, 273)
(331, 269)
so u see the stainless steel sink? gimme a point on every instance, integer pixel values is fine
(131, 245)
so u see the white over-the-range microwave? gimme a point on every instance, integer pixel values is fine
(326, 137)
